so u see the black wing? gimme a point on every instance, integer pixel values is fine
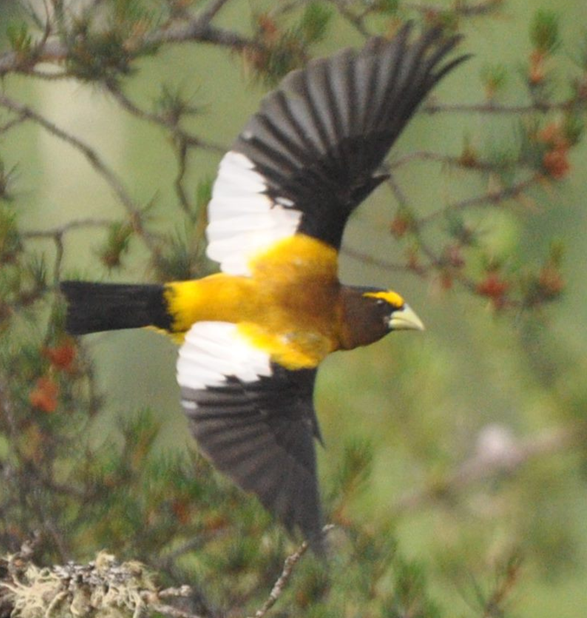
(311, 154)
(255, 421)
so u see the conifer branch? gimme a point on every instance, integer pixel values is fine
(461, 7)
(282, 581)
(445, 159)
(491, 107)
(76, 224)
(212, 9)
(164, 508)
(158, 119)
(91, 155)
(194, 29)
(495, 198)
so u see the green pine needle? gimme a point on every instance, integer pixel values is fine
(544, 31)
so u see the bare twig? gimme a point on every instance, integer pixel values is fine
(491, 107)
(281, 583)
(460, 162)
(461, 7)
(357, 21)
(182, 141)
(493, 607)
(173, 612)
(173, 593)
(211, 10)
(78, 224)
(397, 191)
(94, 159)
(14, 122)
(152, 601)
(286, 573)
(57, 233)
(59, 250)
(182, 160)
(197, 30)
(171, 125)
(491, 197)
(382, 263)
(49, 76)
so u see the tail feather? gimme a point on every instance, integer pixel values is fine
(94, 307)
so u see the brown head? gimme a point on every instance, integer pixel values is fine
(370, 313)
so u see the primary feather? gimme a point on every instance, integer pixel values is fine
(314, 149)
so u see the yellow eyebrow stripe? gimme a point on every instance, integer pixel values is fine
(393, 298)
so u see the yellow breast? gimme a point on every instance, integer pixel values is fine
(288, 307)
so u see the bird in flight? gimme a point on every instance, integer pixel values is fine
(253, 336)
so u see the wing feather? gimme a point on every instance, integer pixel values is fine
(255, 421)
(312, 152)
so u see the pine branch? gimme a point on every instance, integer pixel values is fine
(491, 107)
(355, 20)
(160, 120)
(461, 7)
(366, 258)
(105, 584)
(111, 178)
(475, 165)
(77, 224)
(194, 28)
(211, 10)
(490, 197)
(53, 51)
(286, 574)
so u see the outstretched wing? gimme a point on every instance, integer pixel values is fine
(310, 155)
(255, 421)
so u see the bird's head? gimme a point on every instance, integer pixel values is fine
(371, 313)
(395, 312)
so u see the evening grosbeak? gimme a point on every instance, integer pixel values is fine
(253, 336)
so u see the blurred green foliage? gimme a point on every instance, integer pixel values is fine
(456, 466)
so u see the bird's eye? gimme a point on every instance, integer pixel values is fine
(381, 302)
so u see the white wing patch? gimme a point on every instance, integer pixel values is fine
(214, 350)
(243, 220)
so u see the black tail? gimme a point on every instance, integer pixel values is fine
(94, 307)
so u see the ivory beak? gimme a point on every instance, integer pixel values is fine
(405, 319)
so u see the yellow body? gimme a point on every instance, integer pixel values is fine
(288, 307)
